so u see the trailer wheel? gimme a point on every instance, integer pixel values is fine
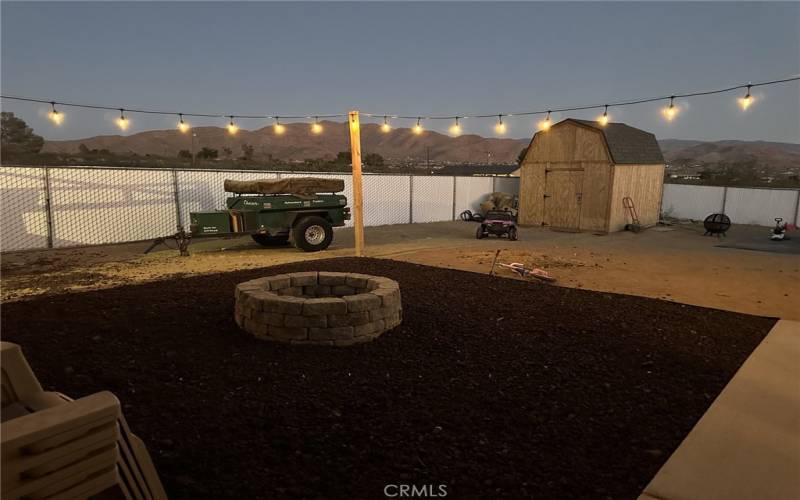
(312, 234)
(270, 241)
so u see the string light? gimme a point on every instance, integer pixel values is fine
(603, 120)
(670, 111)
(279, 128)
(455, 129)
(418, 127)
(316, 127)
(386, 128)
(55, 116)
(182, 125)
(544, 125)
(500, 128)
(122, 122)
(747, 100)
(232, 128)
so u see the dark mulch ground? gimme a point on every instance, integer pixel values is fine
(493, 387)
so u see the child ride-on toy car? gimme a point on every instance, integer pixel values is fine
(498, 223)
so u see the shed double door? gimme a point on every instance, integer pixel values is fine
(563, 188)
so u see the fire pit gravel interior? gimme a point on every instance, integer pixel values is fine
(324, 308)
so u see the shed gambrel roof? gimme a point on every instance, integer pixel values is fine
(627, 145)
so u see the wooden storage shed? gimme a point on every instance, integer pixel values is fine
(575, 176)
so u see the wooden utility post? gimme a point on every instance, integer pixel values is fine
(358, 198)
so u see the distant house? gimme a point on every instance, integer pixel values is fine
(478, 170)
(579, 176)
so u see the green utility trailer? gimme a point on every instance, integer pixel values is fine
(274, 211)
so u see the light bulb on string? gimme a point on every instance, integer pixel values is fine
(316, 127)
(500, 127)
(385, 128)
(279, 127)
(671, 111)
(55, 117)
(418, 127)
(122, 122)
(747, 100)
(182, 125)
(232, 128)
(455, 129)
(544, 125)
(603, 120)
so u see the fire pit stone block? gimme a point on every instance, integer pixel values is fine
(318, 308)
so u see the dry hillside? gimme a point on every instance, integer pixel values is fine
(298, 143)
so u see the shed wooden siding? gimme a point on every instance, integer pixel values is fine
(644, 184)
(569, 179)
(596, 195)
(564, 148)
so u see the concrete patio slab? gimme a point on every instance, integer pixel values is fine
(747, 445)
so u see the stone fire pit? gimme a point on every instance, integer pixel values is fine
(324, 308)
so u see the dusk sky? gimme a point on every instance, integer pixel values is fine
(404, 58)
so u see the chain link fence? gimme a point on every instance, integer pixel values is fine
(59, 207)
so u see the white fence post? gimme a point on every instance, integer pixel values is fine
(454, 198)
(724, 198)
(797, 208)
(410, 199)
(178, 221)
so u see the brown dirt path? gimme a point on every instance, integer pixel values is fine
(679, 265)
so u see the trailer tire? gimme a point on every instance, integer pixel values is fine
(312, 234)
(270, 241)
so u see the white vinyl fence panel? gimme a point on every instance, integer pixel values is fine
(106, 205)
(684, 201)
(432, 198)
(471, 192)
(758, 206)
(386, 199)
(761, 206)
(23, 211)
(96, 206)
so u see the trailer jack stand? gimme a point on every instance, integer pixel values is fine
(182, 238)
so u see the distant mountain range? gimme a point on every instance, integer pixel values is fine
(402, 145)
(298, 143)
(773, 155)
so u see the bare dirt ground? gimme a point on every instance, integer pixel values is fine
(675, 263)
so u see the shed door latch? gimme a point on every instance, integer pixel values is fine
(547, 196)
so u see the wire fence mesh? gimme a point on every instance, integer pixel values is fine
(57, 207)
(432, 199)
(23, 208)
(91, 207)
